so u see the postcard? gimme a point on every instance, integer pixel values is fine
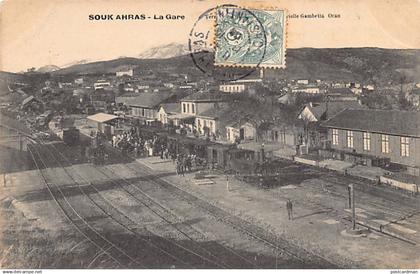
(193, 134)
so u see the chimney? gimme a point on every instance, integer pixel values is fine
(311, 104)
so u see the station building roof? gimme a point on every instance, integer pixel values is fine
(102, 117)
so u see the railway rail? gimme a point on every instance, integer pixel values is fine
(79, 222)
(166, 216)
(165, 248)
(273, 241)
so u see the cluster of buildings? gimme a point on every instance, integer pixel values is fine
(338, 126)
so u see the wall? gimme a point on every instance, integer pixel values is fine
(375, 147)
(162, 116)
(232, 88)
(307, 115)
(189, 108)
(200, 123)
(144, 112)
(199, 107)
(249, 131)
(231, 134)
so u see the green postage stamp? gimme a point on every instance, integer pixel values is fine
(250, 37)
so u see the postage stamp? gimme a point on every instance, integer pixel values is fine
(250, 37)
(201, 45)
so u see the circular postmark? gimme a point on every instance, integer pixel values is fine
(239, 34)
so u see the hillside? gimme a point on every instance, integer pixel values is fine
(6, 78)
(351, 64)
(362, 64)
(184, 62)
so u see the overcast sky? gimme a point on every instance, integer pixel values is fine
(34, 33)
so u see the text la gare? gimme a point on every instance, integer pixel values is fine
(169, 17)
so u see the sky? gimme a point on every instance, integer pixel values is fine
(34, 33)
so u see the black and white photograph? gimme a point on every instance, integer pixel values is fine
(240, 135)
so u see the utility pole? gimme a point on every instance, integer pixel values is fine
(349, 194)
(20, 141)
(277, 254)
(353, 209)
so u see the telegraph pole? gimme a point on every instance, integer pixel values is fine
(349, 194)
(20, 141)
(353, 209)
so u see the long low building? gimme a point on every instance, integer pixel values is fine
(386, 134)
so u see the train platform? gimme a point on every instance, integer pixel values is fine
(321, 216)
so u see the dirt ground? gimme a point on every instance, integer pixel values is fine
(319, 225)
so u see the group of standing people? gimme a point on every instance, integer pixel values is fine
(184, 163)
(131, 142)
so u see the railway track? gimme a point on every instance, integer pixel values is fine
(245, 227)
(203, 254)
(79, 222)
(171, 218)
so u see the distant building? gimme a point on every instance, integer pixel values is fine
(377, 135)
(238, 85)
(212, 122)
(101, 84)
(201, 101)
(309, 90)
(168, 85)
(241, 131)
(233, 87)
(121, 73)
(168, 113)
(302, 82)
(369, 87)
(79, 81)
(145, 106)
(356, 91)
(313, 114)
(341, 94)
(64, 84)
(316, 112)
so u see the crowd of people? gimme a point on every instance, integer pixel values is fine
(131, 142)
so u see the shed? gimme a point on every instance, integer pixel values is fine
(105, 123)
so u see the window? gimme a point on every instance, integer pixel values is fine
(366, 141)
(335, 137)
(184, 108)
(384, 143)
(188, 108)
(193, 108)
(142, 112)
(350, 139)
(211, 126)
(405, 146)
